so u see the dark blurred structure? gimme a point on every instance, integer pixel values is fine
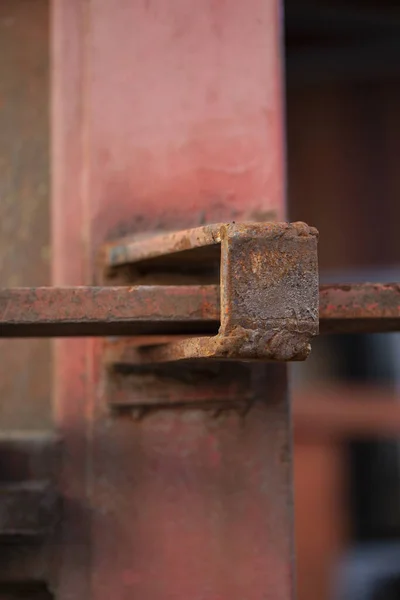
(343, 90)
(343, 124)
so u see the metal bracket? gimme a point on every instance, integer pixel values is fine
(167, 294)
(268, 290)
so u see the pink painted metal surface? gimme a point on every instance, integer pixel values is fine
(166, 115)
(207, 515)
(185, 122)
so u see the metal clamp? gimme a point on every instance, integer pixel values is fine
(268, 289)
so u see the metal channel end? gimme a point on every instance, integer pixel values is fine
(268, 291)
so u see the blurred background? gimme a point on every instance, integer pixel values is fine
(343, 146)
(343, 149)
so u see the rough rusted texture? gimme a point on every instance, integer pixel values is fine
(269, 288)
(269, 296)
(25, 366)
(147, 246)
(360, 308)
(243, 344)
(255, 327)
(269, 291)
(91, 311)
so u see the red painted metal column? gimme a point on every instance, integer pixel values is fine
(166, 115)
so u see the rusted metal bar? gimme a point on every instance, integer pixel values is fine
(190, 244)
(102, 311)
(185, 310)
(146, 247)
(359, 308)
(268, 297)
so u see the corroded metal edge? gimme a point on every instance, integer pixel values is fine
(276, 344)
(269, 295)
(144, 247)
(269, 291)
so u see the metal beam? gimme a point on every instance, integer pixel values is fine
(359, 308)
(184, 310)
(102, 311)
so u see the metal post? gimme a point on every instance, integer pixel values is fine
(166, 115)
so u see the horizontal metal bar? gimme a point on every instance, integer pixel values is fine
(268, 284)
(108, 311)
(163, 310)
(359, 308)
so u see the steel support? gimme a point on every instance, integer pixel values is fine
(166, 115)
